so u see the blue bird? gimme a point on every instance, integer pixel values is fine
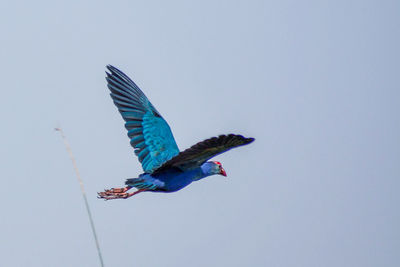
(166, 169)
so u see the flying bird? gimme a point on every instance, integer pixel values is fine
(166, 169)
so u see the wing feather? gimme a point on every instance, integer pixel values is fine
(196, 155)
(150, 135)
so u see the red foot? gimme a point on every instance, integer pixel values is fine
(118, 193)
(117, 190)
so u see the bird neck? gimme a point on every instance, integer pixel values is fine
(205, 170)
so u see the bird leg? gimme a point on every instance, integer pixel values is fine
(118, 193)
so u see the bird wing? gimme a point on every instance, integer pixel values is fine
(196, 155)
(150, 134)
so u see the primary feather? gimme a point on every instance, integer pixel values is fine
(165, 169)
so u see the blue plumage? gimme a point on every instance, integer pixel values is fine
(165, 168)
(149, 133)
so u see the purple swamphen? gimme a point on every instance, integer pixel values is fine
(165, 168)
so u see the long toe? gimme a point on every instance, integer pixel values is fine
(107, 196)
(102, 194)
(110, 194)
(117, 190)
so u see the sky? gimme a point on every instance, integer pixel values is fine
(316, 83)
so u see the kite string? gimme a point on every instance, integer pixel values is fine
(67, 146)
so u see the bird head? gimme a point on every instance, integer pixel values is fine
(216, 168)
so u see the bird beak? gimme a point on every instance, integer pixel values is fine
(223, 172)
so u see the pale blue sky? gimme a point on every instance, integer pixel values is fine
(315, 82)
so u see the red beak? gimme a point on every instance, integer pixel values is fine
(223, 172)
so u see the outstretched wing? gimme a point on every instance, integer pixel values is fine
(149, 133)
(201, 152)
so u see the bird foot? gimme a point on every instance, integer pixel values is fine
(117, 190)
(117, 193)
(109, 196)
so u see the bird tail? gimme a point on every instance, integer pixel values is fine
(134, 182)
(130, 181)
(144, 182)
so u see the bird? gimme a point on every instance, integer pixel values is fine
(165, 168)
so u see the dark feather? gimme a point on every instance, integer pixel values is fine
(196, 155)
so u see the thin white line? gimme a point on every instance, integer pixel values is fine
(67, 146)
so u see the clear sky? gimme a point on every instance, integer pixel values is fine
(315, 82)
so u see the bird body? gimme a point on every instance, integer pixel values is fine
(172, 179)
(165, 168)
